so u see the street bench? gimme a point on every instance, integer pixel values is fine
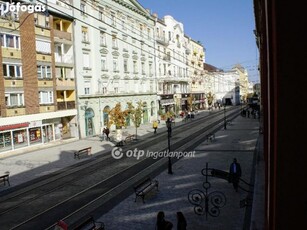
(210, 137)
(90, 223)
(130, 138)
(220, 174)
(145, 187)
(5, 178)
(229, 122)
(80, 152)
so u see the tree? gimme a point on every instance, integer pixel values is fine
(117, 116)
(210, 98)
(136, 114)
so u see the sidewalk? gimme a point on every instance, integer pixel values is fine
(239, 140)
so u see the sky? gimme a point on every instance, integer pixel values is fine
(224, 27)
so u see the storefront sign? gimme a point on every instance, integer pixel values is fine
(35, 123)
(14, 126)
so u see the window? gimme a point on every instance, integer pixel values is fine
(104, 90)
(135, 67)
(115, 89)
(143, 67)
(150, 69)
(101, 14)
(86, 61)
(14, 99)
(43, 72)
(141, 30)
(87, 85)
(123, 24)
(82, 8)
(148, 33)
(113, 19)
(103, 63)
(126, 66)
(114, 41)
(46, 97)
(41, 20)
(84, 31)
(10, 41)
(12, 70)
(103, 39)
(43, 47)
(115, 65)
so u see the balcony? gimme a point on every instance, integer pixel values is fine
(67, 58)
(162, 40)
(66, 105)
(62, 35)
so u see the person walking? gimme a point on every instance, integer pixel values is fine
(155, 126)
(235, 173)
(107, 132)
(161, 223)
(181, 221)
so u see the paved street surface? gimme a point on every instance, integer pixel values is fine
(239, 140)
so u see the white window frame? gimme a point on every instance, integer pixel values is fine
(44, 72)
(45, 97)
(20, 99)
(6, 67)
(16, 41)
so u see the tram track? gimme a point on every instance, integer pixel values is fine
(64, 194)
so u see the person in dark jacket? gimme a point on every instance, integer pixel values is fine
(163, 224)
(181, 221)
(235, 173)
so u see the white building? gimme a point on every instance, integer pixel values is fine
(114, 47)
(171, 68)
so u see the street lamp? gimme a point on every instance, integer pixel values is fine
(225, 123)
(169, 134)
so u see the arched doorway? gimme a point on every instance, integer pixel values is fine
(89, 124)
(106, 111)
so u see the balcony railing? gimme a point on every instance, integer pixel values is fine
(66, 105)
(162, 40)
(62, 35)
(64, 58)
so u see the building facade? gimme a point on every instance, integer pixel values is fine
(115, 49)
(30, 113)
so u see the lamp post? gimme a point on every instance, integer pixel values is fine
(225, 124)
(169, 134)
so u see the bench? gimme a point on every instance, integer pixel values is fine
(130, 138)
(145, 187)
(210, 137)
(5, 178)
(90, 223)
(80, 152)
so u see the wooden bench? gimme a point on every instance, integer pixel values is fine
(83, 151)
(90, 223)
(5, 178)
(145, 187)
(130, 138)
(210, 137)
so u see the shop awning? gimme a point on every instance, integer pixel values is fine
(14, 126)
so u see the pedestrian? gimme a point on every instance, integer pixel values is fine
(107, 132)
(155, 126)
(235, 173)
(169, 126)
(163, 224)
(181, 221)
